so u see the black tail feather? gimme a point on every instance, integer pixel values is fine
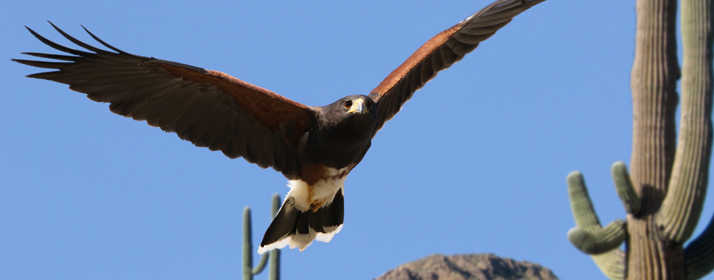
(329, 216)
(283, 224)
(290, 221)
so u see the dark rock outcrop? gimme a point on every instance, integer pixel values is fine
(467, 267)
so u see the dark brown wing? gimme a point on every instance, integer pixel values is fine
(440, 52)
(209, 108)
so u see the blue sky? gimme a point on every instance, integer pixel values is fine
(474, 163)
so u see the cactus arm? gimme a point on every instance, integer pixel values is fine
(248, 270)
(580, 202)
(624, 188)
(261, 264)
(682, 205)
(611, 263)
(696, 24)
(597, 240)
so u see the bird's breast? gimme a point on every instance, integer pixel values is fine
(317, 192)
(336, 150)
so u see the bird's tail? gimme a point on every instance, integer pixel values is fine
(298, 229)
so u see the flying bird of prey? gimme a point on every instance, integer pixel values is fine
(314, 147)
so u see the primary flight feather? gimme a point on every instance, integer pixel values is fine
(314, 147)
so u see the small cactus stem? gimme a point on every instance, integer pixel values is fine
(276, 204)
(699, 254)
(274, 270)
(596, 239)
(611, 263)
(274, 273)
(247, 246)
(580, 203)
(682, 205)
(624, 188)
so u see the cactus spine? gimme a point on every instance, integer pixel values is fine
(274, 255)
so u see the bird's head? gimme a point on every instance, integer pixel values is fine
(351, 110)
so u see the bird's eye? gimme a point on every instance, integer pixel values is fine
(348, 104)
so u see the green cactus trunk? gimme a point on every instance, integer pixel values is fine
(664, 195)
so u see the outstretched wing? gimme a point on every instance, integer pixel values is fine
(209, 108)
(440, 52)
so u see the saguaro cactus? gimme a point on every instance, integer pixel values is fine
(274, 255)
(664, 196)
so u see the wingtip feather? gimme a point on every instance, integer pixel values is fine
(102, 41)
(55, 45)
(52, 56)
(32, 31)
(41, 64)
(77, 41)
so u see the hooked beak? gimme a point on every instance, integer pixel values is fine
(357, 106)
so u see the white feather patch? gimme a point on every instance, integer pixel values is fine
(322, 191)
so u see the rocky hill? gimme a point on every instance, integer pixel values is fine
(467, 267)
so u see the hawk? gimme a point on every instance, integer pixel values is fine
(315, 147)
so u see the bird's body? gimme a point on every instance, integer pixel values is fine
(315, 202)
(314, 147)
